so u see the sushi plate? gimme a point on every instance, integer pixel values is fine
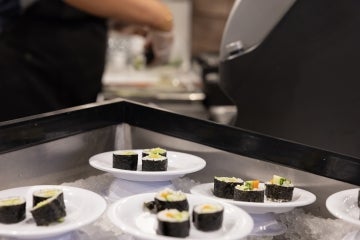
(82, 208)
(179, 164)
(300, 198)
(354, 235)
(129, 215)
(344, 205)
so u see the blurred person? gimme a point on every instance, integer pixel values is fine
(157, 44)
(52, 52)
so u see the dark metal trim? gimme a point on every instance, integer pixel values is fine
(42, 128)
(37, 129)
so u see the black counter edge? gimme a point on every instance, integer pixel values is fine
(38, 129)
(246, 143)
(34, 130)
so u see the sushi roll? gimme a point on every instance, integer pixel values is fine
(43, 194)
(154, 162)
(157, 150)
(169, 199)
(224, 186)
(49, 211)
(173, 223)
(208, 217)
(279, 189)
(249, 191)
(12, 210)
(127, 160)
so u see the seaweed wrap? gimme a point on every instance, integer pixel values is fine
(127, 160)
(250, 191)
(49, 211)
(279, 189)
(168, 199)
(156, 150)
(154, 162)
(208, 217)
(12, 210)
(43, 194)
(224, 186)
(173, 223)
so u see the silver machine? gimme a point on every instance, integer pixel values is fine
(291, 68)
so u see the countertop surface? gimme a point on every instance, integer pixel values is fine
(30, 131)
(300, 225)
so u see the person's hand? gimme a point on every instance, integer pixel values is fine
(158, 43)
(161, 44)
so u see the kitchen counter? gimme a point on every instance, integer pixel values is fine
(300, 225)
(26, 132)
(62, 142)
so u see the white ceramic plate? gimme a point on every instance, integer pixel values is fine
(129, 215)
(300, 198)
(179, 164)
(343, 205)
(355, 235)
(82, 207)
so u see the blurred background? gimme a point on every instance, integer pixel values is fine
(188, 82)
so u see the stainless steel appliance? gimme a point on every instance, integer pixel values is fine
(291, 68)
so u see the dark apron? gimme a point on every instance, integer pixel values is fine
(51, 58)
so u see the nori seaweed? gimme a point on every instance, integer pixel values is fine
(173, 229)
(12, 214)
(249, 195)
(154, 165)
(50, 212)
(126, 162)
(224, 189)
(150, 206)
(182, 205)
(277, 193)
(208, 221)
(37, 199)
(144, 154)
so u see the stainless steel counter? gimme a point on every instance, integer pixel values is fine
(55, 148)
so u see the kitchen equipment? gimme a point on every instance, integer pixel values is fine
(291, 69)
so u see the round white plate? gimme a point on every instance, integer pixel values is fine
(300, 198)
(179, 164)
(344, 205)
(355, 235)
(82, 207)
(129, 215)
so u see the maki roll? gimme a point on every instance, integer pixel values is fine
(127, 160)
(208, 217)
(173, 223)
(157, 150)
(224, 186)
(154, 162)
(168, 199)
(249, 191)
(12, 210)
(49, 211)
(43, 194)
(279, 189)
